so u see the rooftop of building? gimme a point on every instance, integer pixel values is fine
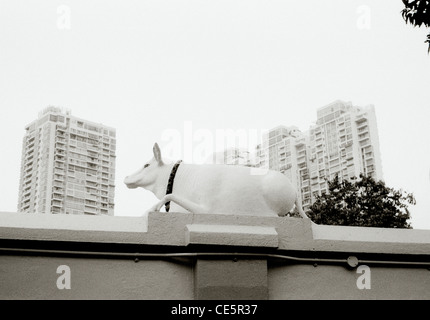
(55, 110)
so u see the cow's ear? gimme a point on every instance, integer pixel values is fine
(157, 154)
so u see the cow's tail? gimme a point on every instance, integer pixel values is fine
(299, 207)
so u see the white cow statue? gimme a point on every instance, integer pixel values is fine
(215, 188)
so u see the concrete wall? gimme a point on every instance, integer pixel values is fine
(186, 256)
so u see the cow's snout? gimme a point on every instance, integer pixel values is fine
(130, 183)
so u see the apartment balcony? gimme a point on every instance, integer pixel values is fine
(78, 163)
(349, 156)
(91, 184)
(364, 143)
(28, 175)
(59, 164)
(57, 204)
(93, 163)
(25, 207)
(27, 188)
(60, 139)
(29, 157)
(90, 210)
(90, 203)
(300, 142)
(91, 178)
(58, 177)
(28, 168)
(305, 183)
(367, 149)
(301, 159)
(25, 199)
(30, 144)
(362, 126)
(91, 166)
(57, 196)
(60, 146)
(90, 197)
(81, 133)
(360, 119)
(93, 148)
(60, 135)
(60, 152)
(59, 158)
(61, 128)
(363, 136)
(370, 163)
(58, 190)
(302, 165)
(285, 167)
(59, 171)
(29, 163)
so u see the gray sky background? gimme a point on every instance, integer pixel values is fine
(145, 67)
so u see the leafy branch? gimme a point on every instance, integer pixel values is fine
(417, 13)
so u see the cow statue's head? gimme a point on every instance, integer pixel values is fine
(146, 177)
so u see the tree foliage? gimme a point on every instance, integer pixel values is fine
(417, 13)
(363, 202)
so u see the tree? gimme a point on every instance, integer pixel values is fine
(417, 13)
(363, 202)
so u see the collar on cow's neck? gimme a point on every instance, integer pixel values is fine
(170, 183)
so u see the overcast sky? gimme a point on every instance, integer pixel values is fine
(150, 68)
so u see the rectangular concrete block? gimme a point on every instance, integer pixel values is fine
(231, 235)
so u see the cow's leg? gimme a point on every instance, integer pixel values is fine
(184, 203)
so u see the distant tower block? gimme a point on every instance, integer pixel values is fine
(67, 165)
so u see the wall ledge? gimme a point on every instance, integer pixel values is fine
(184, 229)
(392, 235)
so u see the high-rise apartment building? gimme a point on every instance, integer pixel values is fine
(67, 166)
(286, 149)
(344, 142)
